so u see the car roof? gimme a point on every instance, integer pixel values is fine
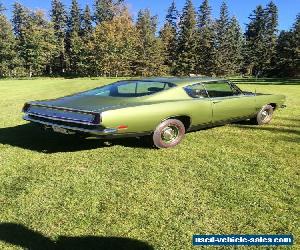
(182, 81)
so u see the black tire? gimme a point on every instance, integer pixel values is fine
(168, 134)
(264, 116)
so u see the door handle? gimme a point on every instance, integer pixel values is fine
(214, 102)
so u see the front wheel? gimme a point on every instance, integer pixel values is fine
(264, 116)
(168, 134)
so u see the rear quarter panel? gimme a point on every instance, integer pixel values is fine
(264, 99)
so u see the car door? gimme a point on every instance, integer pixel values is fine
(200, 106)
(228, 103)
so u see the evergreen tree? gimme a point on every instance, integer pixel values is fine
(87, 62)
(7, 46)
(59, 20)
(288, 51)
(87, 23)
(168, 35)
(2, 8)
(172, 16)
(74, 44)
(149, 47)
(236, 43)
(222, 43)
(186, 60)
(105, 10)
(74, 20)
(271, 16)
(20, 18)
(256, 46)
(115, 43)
(205, 49)
(296, 47)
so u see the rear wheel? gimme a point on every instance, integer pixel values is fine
(264, 116)
(168, 134)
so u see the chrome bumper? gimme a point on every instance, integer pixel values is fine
(107, 131)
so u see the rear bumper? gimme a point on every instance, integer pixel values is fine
(103, 132)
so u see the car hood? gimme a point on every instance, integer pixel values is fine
(89, 103)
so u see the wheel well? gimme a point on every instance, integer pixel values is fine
(274, 105)
(186, 120)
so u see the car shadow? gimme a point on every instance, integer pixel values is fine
(31, 137)
(21, 236)
(279, 130)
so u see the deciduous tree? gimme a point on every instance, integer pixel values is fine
(8, 55)
(150, 60)
(114, 46)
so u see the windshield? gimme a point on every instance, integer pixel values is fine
(130, 88)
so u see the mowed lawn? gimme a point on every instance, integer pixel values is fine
(61, 191)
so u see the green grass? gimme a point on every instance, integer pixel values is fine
(234, 179)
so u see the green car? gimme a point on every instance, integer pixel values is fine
(163, 108)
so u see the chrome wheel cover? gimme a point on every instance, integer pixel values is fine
(265, 115)
(169, 134)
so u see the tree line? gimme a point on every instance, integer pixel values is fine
(108, 42)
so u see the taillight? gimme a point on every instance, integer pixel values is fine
(26, 107)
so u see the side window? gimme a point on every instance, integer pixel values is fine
(196, 91)
(129, 88)
(152, 87)
(220, 89)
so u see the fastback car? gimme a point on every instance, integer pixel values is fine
(162, 108)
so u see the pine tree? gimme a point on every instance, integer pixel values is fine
(172, 16)
(205, 49)
(288, 51)
(7, 46)
(59, 20)
(2, 8)
(296, 47)
(105, 10)
(256, 43)
(74, 20)
(222, 43)
(271, 16)
(168, 35)
(87, 23)
(149, 48)
(236, 43)
(74, 44)
(186, 60)
(115, 43)
(87, 62)
(20, 18)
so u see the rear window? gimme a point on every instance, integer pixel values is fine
(130, 89)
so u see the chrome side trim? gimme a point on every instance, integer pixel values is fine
(107, 131)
